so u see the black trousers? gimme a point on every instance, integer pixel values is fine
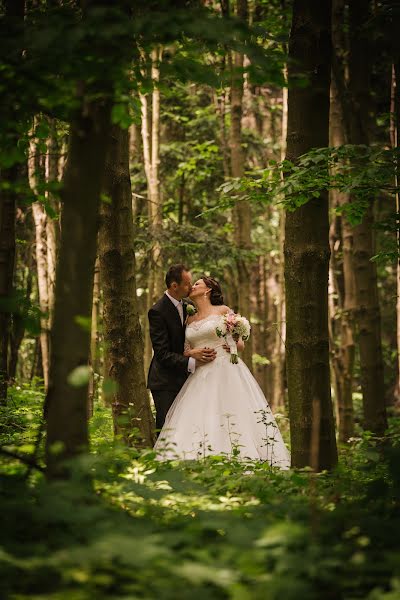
(163, 400)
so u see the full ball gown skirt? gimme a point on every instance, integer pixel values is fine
(220, 410)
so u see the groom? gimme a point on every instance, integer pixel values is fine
(169, 368)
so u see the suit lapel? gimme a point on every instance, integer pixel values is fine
(173, 311)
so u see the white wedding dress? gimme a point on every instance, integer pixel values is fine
(220, 410)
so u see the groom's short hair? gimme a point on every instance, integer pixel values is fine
(174, 273)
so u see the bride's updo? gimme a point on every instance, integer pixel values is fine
(216, 297)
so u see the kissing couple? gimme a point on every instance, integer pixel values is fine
(206, 402)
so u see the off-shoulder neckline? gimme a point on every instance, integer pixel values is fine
(205, 318)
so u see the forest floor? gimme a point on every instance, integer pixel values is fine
(127, 527)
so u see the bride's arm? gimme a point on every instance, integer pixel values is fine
(201, 355)
(240, 345)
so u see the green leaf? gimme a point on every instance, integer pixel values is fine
(84, 323)
(79, 376)
(120, 115)
(42, 130)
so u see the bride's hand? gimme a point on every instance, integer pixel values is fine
(239, 345)
(202, 355)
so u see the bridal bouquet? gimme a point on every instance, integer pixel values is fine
(233, 327)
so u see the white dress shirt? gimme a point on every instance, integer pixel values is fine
(179, 306)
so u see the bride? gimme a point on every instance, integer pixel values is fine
(220, 408)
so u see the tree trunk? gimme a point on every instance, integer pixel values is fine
(37, 365)
(220, 103)
(278, 392)
(151, 157)
(122, 332)
(341, 308)
(94, 338)
(242, 210)
(258, 310)
(7, 259)
(18, 325)
(66, 404)
(40, 218)
(14, 13)
(36, 171)
(343, 349)
(367, 310)
(53, 175)
(394, 141)
(307, 247)
(24, 269)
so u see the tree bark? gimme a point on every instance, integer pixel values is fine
(258, 310)
(122, 332)
(7, 259)
(342, 315)
(94, 338)
(307, 246)
(368, 311)
(278, 397)
(395, 116)
(151, 156)
(24, 260)
(242, 210)
(14, 13)
(341, 308)
(53, 174)
(66, 404)
(36, 173)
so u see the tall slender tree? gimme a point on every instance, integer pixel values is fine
(395, 116)
(242, 210)
(66, 402)
(36, 171)
(122, 332)
(342, 268)
(14, 13)
(368, 311)
(307, 245)
(53, 169)
(150, 113)
(7, 258)
(94, 339)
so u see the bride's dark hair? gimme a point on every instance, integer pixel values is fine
(216, 296)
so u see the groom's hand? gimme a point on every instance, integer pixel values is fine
(203, 355)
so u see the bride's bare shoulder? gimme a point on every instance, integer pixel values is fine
(223, 309)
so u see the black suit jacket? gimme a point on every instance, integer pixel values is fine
(169, 368)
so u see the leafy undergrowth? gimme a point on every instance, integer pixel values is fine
(127, 527)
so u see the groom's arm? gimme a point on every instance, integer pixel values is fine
(160, 341)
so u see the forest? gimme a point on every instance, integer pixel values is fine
(255, 141)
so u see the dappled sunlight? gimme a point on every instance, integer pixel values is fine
(212, 526)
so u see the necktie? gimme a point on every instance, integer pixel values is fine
(180, 311)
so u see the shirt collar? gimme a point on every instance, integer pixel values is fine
(173, 300)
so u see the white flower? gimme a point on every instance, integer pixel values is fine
(190, 310)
